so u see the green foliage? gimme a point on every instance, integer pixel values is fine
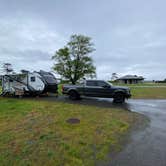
(73, 61)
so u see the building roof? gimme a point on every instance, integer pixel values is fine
(131, 77)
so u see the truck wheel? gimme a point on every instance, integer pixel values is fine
(119, 98)
(73, 95)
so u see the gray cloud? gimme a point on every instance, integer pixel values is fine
(129, 35)
(28, 43)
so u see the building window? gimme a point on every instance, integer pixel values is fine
(33, 79)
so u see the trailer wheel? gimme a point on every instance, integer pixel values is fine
(73, 95)
(119, 98)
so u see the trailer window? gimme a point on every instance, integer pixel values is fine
(33, 79)
(50, 79)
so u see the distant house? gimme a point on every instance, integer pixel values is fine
(130, 79)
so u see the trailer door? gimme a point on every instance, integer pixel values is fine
(36, 83)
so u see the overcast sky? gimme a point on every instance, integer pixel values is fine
(129, 35)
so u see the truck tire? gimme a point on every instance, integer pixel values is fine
(119, 98)
(73, 95)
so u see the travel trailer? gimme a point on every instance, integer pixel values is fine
(29, 83)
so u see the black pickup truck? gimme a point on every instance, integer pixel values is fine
(97, 88)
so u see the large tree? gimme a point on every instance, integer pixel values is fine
(73, 61)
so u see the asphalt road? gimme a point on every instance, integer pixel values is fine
(148, 146)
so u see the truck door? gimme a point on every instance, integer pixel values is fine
(90, 88)
(36, 83)
(104, 89)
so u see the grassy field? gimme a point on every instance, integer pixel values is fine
(148, 92)
(34, 132)
(141, 84)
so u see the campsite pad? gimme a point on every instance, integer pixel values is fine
(73, 121)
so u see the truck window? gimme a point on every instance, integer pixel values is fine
(101, 83)
(91, 83)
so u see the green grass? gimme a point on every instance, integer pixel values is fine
(60, 89)
(36, 133)
(148, 92)
(141, 84)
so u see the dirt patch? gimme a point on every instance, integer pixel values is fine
(73, 121)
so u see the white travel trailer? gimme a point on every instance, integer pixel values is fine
(29, 83)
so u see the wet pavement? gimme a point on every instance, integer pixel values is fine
(148, 146)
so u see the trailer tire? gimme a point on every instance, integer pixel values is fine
(73, 95)
(119, 98)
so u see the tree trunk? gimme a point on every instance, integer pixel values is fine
(73, 81)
